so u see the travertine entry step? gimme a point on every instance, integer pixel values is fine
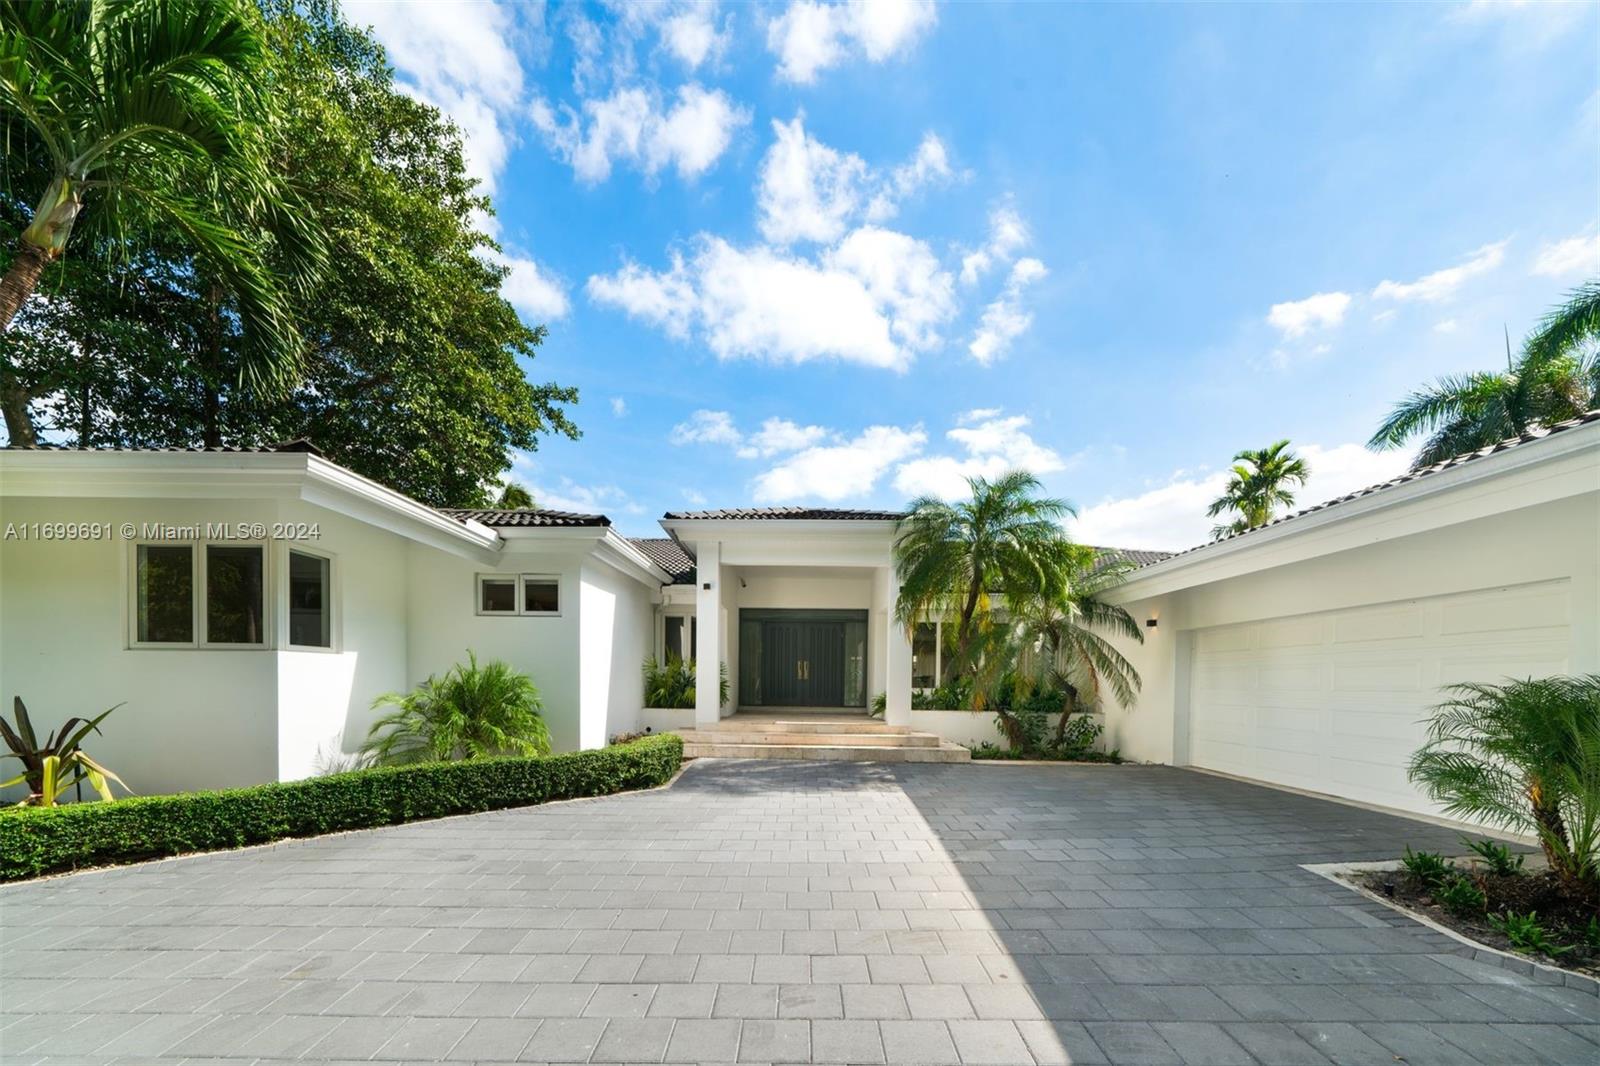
(836, 738)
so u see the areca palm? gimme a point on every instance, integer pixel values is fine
(1555, 377)
(1068, 637)
(953, 558)
(125, 116)
(1262, 480)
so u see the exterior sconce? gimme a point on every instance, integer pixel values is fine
(1149, 623)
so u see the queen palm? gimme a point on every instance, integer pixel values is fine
(1556, 376)
(1262, 480)
(119, 116)
(954, 558)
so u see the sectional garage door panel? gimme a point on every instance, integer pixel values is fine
(1336, 702)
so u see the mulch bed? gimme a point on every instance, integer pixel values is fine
(1563, 915)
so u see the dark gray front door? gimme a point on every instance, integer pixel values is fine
(800, 658)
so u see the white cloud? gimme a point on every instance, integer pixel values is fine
(706, 427)
(1297, 317)
(1008, 234)
(1173, 516)
(884, 293)
(530, 288)
(633, 126)
(807, 190)
(838, 471)
(619, 407)
(1004, 320)
(460, 57)
(1573, 256)
(692, 35)
(778, 435)
(693, 498)
(992, 445)
(810, 37)
(1442, 284)
(1448, 325)
(568, 495)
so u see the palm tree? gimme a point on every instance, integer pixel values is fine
(1070, 654)
(110, 109)
(1556, 377)
(1262, 480)
(1524, 756)
(514, 497)
(952, 558)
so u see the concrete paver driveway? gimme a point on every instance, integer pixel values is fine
(784, 913)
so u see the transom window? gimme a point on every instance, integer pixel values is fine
(519, 594)
(229, 609)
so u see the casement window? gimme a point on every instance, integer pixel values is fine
(519, 594)
(310, 600)
(200, 595)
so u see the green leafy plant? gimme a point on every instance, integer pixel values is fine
(672, 683)
(1591, 934)
(1461, 896)
(1429, 867)
(36, 841)
(1500, 859)
(879, 707)
(1527, 933)
(472, 712)
(51, 769)
(1525, 756)
(1262, 480)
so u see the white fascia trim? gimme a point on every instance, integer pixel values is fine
(1209, 562)
(602, 542)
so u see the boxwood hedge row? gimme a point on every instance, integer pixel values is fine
(35, 841)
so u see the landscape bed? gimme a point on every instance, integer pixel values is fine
(1524, 912)
(35, 841)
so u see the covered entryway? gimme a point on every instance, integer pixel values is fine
(802, 658)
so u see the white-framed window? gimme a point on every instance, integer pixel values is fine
(309, 598)
(199, 594)
(538, 595)
(678, 637)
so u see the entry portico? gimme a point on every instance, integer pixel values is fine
(797, 604)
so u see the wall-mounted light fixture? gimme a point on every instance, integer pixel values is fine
(707, 586)
(1149, 623)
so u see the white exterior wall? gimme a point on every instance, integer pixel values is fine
(194, 717)
(1401, 613)
(616, 622)
(443, 625)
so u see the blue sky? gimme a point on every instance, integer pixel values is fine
(809, 253)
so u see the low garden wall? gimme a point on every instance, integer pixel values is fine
(42, 840)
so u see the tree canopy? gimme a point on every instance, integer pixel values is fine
(413, 365)
(1262, 481)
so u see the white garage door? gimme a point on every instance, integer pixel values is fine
(1335, 702)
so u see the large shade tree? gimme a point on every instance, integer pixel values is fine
(1261, 482)
(1555, 376)
(955, 559)
(123, 121)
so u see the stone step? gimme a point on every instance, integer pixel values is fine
(944, 753)
(751, 735)
(791, 725)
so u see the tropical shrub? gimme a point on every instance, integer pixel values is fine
(1429, 867)
(1525, 756)
(1527, 933)
(671, 684)
(52, 769)
(1460, 896)
(1500, 860)
(35, 841)
(472, 712)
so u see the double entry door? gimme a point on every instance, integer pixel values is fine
(802, 659)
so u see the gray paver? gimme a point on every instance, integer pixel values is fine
(782, 913)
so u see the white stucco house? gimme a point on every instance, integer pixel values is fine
(246, 607)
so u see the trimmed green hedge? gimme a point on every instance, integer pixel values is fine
(35, 841)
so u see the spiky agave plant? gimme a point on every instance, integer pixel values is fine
(471, 712)
(1523, 755)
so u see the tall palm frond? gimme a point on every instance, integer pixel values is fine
(1262, 481)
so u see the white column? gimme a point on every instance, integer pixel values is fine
(897, 660)
(708, 638)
